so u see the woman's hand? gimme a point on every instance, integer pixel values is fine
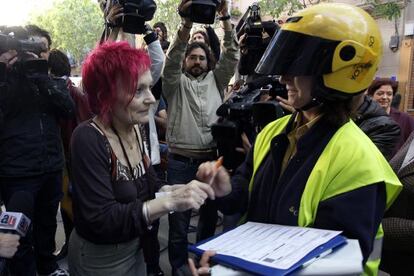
(190, 196)
(204, 265)
(177, 198)
(170, 188)
(216, 176)
(284, 103)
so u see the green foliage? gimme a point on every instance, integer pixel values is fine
(276, 7)
(390, 10)
(167, 13)
(236, 13)
(75, 25)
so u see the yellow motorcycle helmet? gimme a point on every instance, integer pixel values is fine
(339, 44)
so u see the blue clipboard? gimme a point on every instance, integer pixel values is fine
(258, 269)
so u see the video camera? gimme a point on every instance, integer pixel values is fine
(251, 25)
(8, 42)
(136, 13)
(245, 112)
(26, 64)
(255, 40)
(202, 11)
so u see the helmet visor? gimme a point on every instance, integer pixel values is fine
(297, 54)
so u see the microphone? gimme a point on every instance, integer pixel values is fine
(17, 218)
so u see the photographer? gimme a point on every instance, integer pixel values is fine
(193, 88)
(31, 156)
(209, 37)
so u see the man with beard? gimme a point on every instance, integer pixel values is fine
(193, 88)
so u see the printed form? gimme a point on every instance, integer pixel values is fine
(272, 245)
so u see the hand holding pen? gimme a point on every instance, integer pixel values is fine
(216, 176)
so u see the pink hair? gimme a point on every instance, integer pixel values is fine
(108, 66)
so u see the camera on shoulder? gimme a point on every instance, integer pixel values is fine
(26, 64)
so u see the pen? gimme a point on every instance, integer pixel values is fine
(217, 165)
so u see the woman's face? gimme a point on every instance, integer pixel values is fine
(136, 112)
(383, 96)
(299, 89)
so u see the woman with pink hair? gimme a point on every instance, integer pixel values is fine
(114, 184)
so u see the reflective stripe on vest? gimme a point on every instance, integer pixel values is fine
(376, 250)
(353, 162)
(372, 265)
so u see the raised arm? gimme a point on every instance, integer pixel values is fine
(175, 54)
(229, 56)
(155, 53)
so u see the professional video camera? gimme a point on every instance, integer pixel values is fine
(202, 11)
(251, 25)
(244, 112)
(136, 13)
(256, 36)
(26, 63)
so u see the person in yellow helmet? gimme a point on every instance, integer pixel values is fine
(315, 167)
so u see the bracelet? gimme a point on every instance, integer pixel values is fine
(224, 18)
(146, 214)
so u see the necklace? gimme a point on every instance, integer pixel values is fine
(130, 144)
(123, 150)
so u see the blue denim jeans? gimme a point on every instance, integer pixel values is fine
(47, 193)
(180, 172)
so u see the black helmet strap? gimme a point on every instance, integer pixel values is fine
(314, 102)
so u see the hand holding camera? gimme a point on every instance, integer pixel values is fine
(223, 8)
(113, 13)
(130, 15)
(9, 57)
(202, 11)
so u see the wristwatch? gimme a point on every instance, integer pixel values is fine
(223, 18)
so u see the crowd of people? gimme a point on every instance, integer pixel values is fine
(134, 142)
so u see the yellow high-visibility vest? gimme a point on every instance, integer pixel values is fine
(349, 161)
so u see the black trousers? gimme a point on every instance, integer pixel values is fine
(47, 193)
(181, 172)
